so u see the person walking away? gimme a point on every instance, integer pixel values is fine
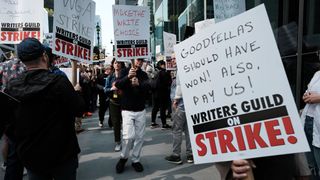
(44, 125)
(134, 88)
(161, 95)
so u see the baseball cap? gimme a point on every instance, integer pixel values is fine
(30, 49)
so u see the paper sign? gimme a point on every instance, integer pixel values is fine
(237, 97)
(131, 31)
(20, 19)
(170, 64)
(225, 9)
(48, 39)
(200, 25)
(73, 29)
(169, 40)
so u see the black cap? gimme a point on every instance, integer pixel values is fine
(30, 49)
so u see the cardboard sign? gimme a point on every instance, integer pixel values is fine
(237, 97)
(225, 9)
(73, 29)
(20, 19)
(131, 31)
(169, 40)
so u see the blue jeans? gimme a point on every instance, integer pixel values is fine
(67, 171)
(313, 156)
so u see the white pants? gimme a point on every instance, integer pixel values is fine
(133, 127)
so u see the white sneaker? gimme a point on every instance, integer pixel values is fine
(100, 124)
(118, 147)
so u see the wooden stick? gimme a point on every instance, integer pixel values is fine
(74, 72)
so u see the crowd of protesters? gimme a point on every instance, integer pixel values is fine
(42, 112)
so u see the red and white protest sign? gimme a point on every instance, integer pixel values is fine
(131, 31)
(20, 19)
(73, 29)
(237, 97)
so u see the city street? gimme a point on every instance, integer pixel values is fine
(98, 159)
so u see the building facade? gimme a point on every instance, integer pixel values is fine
(294, 23)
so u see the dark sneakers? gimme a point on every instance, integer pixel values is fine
(120, 165)
(174, 159)
(166, 126)
(190, 158)
(154, 125)
(137, 166)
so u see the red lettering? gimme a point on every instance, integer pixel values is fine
(225, 139)
(253, 135)
(240, 140)
(63, 46)
(273, 133)
(26, 34)
(3, 36)
(119, 52)
(211, 136)
(130, 53)
(85, 54)
(9, 36)
(16, 36)
(79, 51)
(70, 49)
(34, 34)
(57, 45)
(203, 148)
(138, 51)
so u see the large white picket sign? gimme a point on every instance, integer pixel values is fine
(20, 19)
(73, 29)
(237, 97)
(131, 25)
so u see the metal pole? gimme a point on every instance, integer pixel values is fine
(299, 52)
(74, 72)
(205, 9)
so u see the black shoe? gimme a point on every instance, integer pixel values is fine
(166, 126)
(137, 166)
(174, 159)
(190, 158)
(154, 125)
(120, 165)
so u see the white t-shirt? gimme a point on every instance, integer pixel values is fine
(313, 110)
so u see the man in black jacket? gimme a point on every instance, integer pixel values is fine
(44, 119)
(134, 88)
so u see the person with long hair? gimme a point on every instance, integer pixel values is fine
(114, 103)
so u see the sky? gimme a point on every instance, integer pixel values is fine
(104, 10)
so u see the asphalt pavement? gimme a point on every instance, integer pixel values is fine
(98, 159)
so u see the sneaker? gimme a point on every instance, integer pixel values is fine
(190, 158)
(88, 114)
(3, 166)
(154, 125)
(174, 159)
(100, 124)
(120, 165)
(137, 166)
(166, 126)
(118, 147)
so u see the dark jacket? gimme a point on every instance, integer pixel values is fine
(134, 98)
(44, 119)
(162, 85)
